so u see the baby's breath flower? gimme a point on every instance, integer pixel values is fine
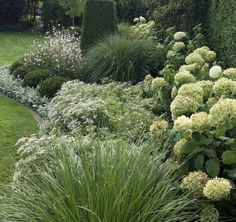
(200, 121)
(179, 36)
(215, 72)
(158, 126)
(224, 87)
(194, 183)
(184, 77)
(209, 214)
(182, 123)
(230, 73)
(217, 189)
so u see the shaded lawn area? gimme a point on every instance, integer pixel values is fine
(14, 45)
(16, 121)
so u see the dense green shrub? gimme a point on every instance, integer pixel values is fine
(222, 29)
(35, 77)
(54, 14)
(181, 14)
(20, 72)
(99, 20)
(127, 10)
(121, 59)
(50, 86)
(98, 181)
(16, 64)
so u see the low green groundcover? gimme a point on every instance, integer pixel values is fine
(16, 121)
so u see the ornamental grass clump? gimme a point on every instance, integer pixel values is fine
(99, 181)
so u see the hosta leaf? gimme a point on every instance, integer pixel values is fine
(213, 167)
(229, 157)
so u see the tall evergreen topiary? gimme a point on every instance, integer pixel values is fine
(99, 20)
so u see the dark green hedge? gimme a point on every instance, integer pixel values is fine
(54, 14)
(99, 20)
(11, 11)
(222, 29)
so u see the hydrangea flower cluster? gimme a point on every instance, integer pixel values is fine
(217, 189)
(179, 36)
(194, 183)
(143, 29)
(209, 214)
(230, 73)
(158, 126)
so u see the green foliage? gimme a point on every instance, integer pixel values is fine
(99, 181)
(20, 72)
(181, 14)
(18, 122)
(54, 14)
(35, 77)
(127, 10)
(121, 59)
(50, 86)
(222, 29)
(74, 8)
(99, 20)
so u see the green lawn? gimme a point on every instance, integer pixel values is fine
(14, 45)
(16, 121)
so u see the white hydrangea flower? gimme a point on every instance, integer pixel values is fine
(142, 19)
(215, 72)
(182, 123)
(179, 36)
(194, 58)
(178, 46)
(136, 20)
(217, 189)
(230, 73)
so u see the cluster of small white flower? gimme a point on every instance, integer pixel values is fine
(60, 52)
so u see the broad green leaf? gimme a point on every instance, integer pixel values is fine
(229, 157)
(199, 162)
(232, 173)
(230, 141)
(213, 167)
(211, 153)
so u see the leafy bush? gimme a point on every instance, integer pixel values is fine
(221, 30)
(34, 78)
(12, 87)
(181, 14)
(20, 72)
(201, 99)
(105, 181)
(113, 110)
(50, 86)
(121, 59)
(99, 20)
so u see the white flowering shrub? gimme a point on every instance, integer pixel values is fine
(142, 29)
(59, 53)
(111, 109)
(12, 87)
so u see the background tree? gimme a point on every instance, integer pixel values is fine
(73, 8)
